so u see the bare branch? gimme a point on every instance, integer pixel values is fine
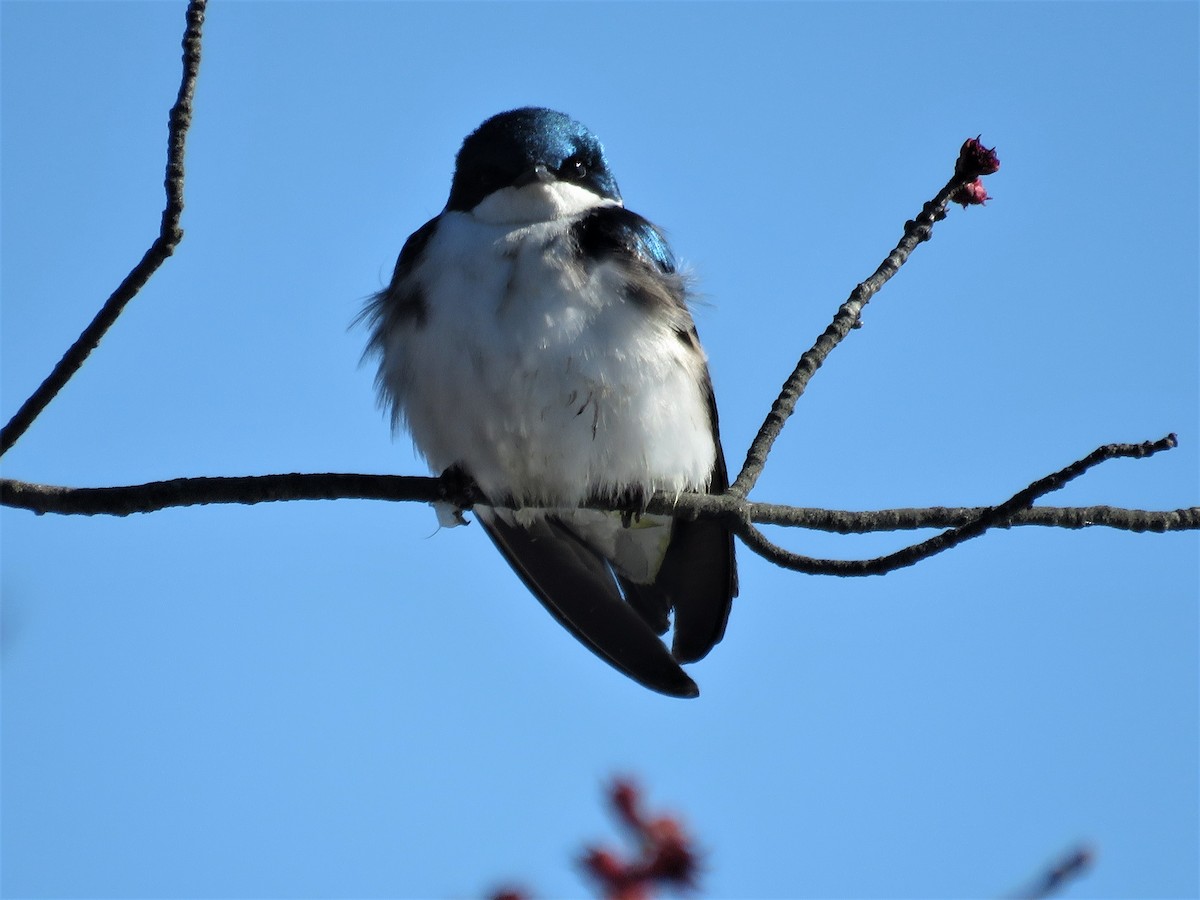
(990, 518)
(840, 521)
(248, 489)
(252, 489)
(970, 165)
(967, 522)
(169, 236)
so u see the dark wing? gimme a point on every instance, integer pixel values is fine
(698, 577)
(576, 586)
(699, 572)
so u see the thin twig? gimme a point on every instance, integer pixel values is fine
(1069, 867)
(169, 236)
(847, 318)
(992, 517)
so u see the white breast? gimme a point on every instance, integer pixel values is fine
(544, 382)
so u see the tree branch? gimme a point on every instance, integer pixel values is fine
(991, 517)
(169, 236)
(974, 160)
(965, 522)
(838, 521)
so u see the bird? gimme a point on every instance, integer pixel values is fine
(535, 338)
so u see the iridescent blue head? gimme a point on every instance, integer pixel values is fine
(524, 146)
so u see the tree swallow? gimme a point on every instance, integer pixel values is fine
(535, 337)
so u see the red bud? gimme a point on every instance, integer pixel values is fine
(972, 194)
(974, 159)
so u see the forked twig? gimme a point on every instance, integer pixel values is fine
(990, 517)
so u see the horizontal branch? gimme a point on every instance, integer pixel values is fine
(126, 500)
(250, 489)
(839, 521)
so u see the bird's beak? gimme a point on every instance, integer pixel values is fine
(538, 173)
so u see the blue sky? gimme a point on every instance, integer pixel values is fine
(336, 699)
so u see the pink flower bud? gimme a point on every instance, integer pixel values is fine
(971, 194)
(974, 159)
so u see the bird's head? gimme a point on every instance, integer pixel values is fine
(531, 165)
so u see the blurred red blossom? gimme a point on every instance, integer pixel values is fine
(666, 855)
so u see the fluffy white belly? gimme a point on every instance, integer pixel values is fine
(544, 382)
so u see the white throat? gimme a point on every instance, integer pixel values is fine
(538, 202)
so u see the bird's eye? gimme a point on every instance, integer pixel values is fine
(573, 169)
